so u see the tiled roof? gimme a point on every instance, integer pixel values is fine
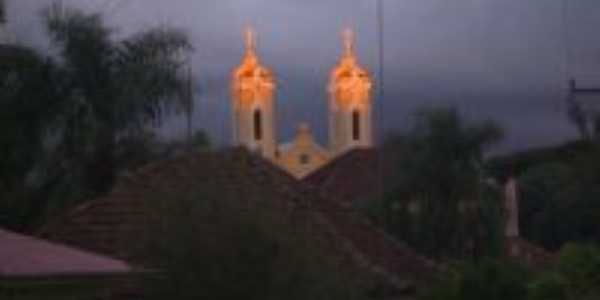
(353, 176)
(23, 256)
(106, 224)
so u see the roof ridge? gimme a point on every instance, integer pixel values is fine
(234, 171)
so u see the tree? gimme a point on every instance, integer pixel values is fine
(200, 140)
(65, 120)
(438, 199)
(538, 207)
(28, 100)
(578, 117)
(576, 276)
(111, 88)
(559, 199)
(486, 279)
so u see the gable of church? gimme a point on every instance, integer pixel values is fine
(302, 156)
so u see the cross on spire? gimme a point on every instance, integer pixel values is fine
(250, 40)
(349, 40)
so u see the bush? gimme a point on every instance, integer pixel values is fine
(487, 279)
(560, 202)
(576, 276)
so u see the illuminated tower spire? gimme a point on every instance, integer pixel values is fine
(250, 57)
(253, 88)
(250, 41)
(349, 40)
(350, 123)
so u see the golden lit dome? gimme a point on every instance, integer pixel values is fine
(251, 74)
(348, 76)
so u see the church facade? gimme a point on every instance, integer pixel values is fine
(254, 126)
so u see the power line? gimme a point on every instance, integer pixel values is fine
(190, 104)
(381, 96)
(381, 83)
(566, 40)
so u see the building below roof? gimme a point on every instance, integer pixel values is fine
(32, 268)
(28, 257)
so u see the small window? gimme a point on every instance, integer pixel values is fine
(356, 125)
(304, 159)
(258, 125)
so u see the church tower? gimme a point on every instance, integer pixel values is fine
(350, 115)
(253, 87)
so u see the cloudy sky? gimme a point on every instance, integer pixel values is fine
(502, 59)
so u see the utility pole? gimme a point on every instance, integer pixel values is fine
(380, 99)
(380, 89)
(381, 61)
(584, 105)
(190, 105)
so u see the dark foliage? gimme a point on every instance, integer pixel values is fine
(576, 276)
(71, 124)
(559, 189)
(437, 199)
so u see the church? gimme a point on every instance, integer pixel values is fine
(254, 126)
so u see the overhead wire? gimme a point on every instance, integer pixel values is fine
(381, 89)
(380, 159)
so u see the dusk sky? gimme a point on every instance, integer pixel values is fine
(501, 59)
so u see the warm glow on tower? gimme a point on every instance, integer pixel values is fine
(251, 79)
(253, 87)
(350, 123)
